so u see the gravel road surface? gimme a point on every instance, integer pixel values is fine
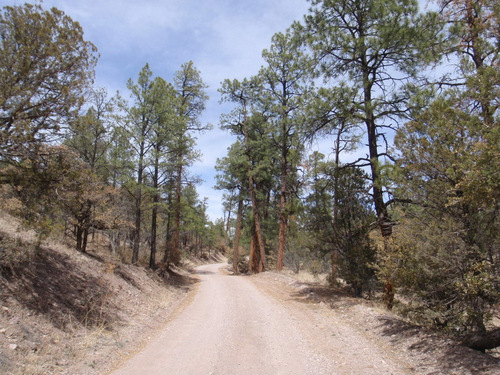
(234, 327)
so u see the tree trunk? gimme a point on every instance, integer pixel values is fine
(236, 244)
(154, 217)
(384, 221)
(281, 241)
(258, 232)
(283, 218)
(335, 260)
(284, 188)
(389, 293)
(228, 221)
(251, 256)
(168, 239)
(85, 236)
(336, 200)
(175, 255)
(137, 228)
(254, 262)
(138, 207)
(79, 235)
(114, 241)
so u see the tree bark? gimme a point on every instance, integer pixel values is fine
(258, 232)
(175, 251)
(283, 215)
(168, 239)
(138, 206)
(251, 188)
(335, 251)
(84, 239)
(384, 221)
(251, 256)
(137, 228)
(154, 217)
(79, 235)
(236, 244)
(228, 221)
(254, 262)
(285, 134)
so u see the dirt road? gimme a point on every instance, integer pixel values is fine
(232, 327)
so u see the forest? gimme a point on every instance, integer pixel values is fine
(402, 203)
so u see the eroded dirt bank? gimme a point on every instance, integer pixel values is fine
(62, 312)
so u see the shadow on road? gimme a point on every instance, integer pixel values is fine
(203, 272)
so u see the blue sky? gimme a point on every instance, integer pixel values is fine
(224, 39)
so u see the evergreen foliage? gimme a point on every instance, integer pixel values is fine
(45, 68)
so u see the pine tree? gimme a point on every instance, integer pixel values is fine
(45, 68)
(191, 103)
(379, 47)
(285, 89)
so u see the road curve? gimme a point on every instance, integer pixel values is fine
(229, 328)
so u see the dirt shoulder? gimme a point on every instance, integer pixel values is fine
(415, 349)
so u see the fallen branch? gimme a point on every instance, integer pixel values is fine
(488, 340)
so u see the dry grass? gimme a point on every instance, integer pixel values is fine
(73, 313)
(308, 277)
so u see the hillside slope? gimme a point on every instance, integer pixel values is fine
(62, 312)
